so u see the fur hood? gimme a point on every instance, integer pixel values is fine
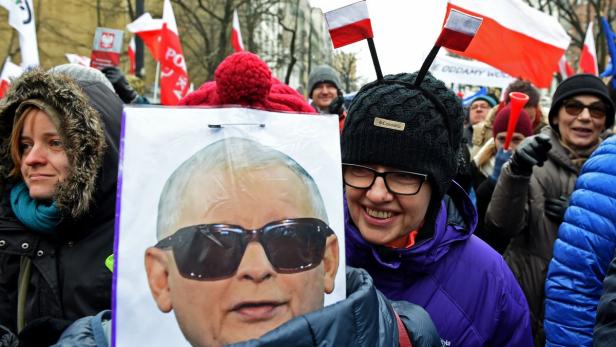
(81, 128)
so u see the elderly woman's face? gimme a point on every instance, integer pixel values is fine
(43, 159)
(580, 121)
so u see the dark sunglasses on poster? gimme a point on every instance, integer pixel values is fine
(574, 108)
(208, 252)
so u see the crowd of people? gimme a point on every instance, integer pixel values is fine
(451, 239)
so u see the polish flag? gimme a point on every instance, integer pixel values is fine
(10, 71)
(564, 68)
(588, 58)
(515, 38)
(78, 59)
(236, 34)
(349, 24)
(149, 30)
(174, 81)
(458, 31)
(131, 55)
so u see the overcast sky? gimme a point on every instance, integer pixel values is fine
(404, 33)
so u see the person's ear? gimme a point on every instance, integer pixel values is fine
(330, 263)
(156, 267)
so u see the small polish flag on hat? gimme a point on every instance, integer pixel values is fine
(349, 24)
(236, 34)
(459, 30)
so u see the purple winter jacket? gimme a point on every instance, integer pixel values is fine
(466, 287)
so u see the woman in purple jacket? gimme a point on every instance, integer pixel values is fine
(410, 226)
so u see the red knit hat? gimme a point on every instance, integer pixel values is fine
(501, 121)
(244, 79)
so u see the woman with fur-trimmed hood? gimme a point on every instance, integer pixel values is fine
(58, 175)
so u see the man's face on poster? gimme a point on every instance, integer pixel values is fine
(256, 298)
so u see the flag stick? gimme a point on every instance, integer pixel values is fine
(156, 79)
(375, 59)
(426, 64)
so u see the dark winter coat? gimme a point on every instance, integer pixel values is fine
(466, 287)
(364, 318)
(582, 253)
(68, 277)
(604, 333)
(517, 210)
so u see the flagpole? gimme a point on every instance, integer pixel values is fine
(375, 59)
(426, 64)
(156, 79)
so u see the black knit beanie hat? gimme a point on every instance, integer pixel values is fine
(394, 123)
(579, 85)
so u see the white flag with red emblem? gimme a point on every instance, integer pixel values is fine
(588, 58)
(10, 71)
(174, 81)
(149, 31)
(459, 30)
(21, 17)
(564, 68)
(131, 55)
(349, 24)
(236, 34)
(515, 38)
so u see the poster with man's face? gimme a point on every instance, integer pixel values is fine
(229, 224)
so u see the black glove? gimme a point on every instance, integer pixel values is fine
(532, 151)
(337, 106)
(120, 84)
(555, 208)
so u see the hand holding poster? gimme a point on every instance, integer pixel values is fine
(197, 187)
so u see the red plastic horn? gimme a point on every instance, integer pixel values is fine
(517, 101)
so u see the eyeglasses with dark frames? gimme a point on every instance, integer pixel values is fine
(209, 252)
(574, 107)
(397, 182)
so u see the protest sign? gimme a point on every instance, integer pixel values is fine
(106, 48)
(192, 172)
(460, 71)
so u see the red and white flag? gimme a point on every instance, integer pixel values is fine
(588, 58)
(77, 59)
(515, 38)
(349, 24)
(174, 81)
(149, 31)
(21, 17)
(459, 30)
(131, 55)
(564, 68)
(236, 34)
(10, 71)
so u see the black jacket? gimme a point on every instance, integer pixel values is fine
(604, 333)
(365, 318)
(68, 278)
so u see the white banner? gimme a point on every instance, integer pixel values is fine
(460, 71)
(21, 17)
(183, 171)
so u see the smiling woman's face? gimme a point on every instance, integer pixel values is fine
(43, 159)
(580, 131)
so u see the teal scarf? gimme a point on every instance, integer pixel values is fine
(35, 215)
